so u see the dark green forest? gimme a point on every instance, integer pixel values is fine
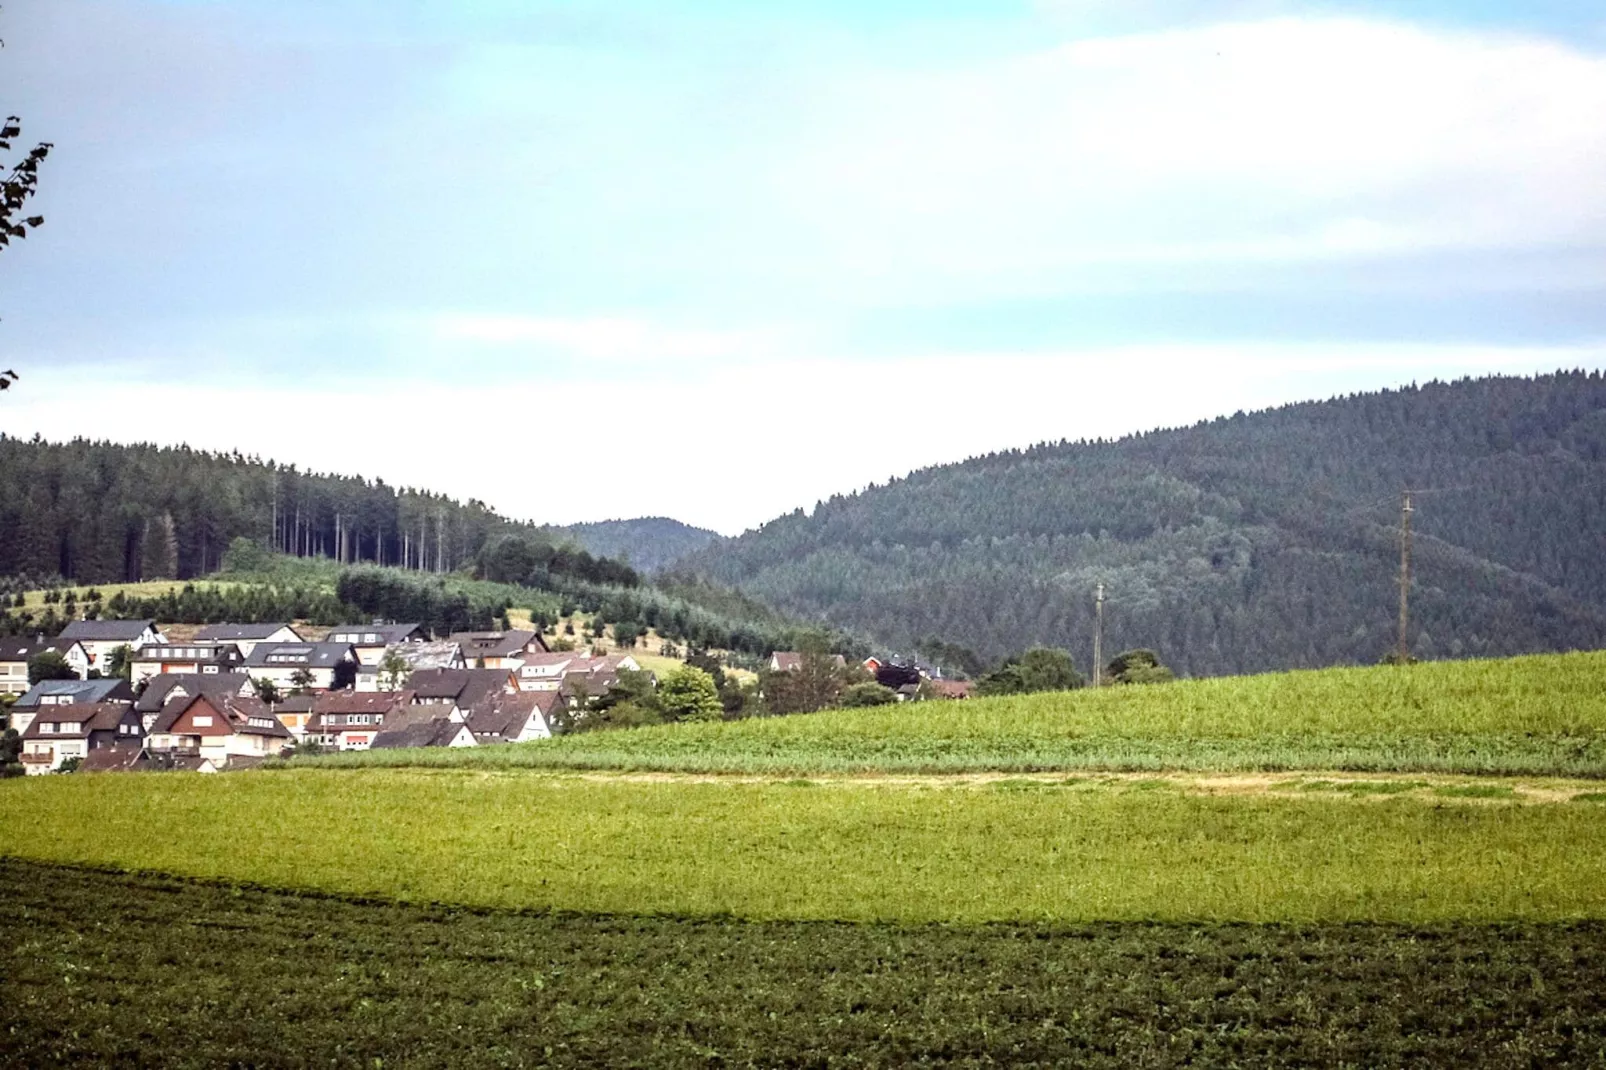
(81, 513)
(98, 512)
(648, 543)
(1252, 542)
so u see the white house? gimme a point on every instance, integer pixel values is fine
(247, 636)
(16, 653)
(182, 659)
(60, 733)
(326, 664)
(371, 641)
(101, 637)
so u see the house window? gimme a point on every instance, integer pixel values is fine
(202, 720)
(47, 728)
(370, 638)
(209, 668)
(71, 727)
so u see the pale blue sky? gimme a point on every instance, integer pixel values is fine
(784, 248)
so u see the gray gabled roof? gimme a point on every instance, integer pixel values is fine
(466, 687)
(25, 650)
(159, 687)
(106, 631)
(434, 733)
(227, 633)
(495, 644)
(111, 689)
(386, 633)
(299, 655)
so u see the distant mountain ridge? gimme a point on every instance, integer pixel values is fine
(1245, 543)
(649, 543)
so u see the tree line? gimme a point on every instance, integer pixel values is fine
(1247, 543)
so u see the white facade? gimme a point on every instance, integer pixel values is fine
(100, 650)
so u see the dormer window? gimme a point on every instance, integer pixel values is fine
(202, 720)
(47, 728)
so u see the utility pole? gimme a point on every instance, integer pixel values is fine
(1403, 652)
(1098, 638)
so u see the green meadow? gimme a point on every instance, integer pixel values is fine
(917, 851)
(1541, 715)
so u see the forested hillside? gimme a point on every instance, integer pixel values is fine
(1252, 542)
(647, 543)
(98, 512)
(82, 513)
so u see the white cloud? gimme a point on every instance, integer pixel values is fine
(602, 337)
(1288, 139)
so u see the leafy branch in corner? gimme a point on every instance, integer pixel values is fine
(21, 183)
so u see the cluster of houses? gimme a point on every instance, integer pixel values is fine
(233, 695)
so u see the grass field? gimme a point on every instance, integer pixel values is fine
(1286, 874)
(911, 852)
(106, 968)
(1534, 715)
(35, 600)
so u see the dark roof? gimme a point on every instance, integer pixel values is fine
(385, 705)
(388, 633)
(106, 631)
(24, 650)
(239, 711)
(182, 763)
(109, 689)
(94, 717)
(302, 655)
(360, 701)
(294, 704)
(792, 661)
(494, 644)
(117, 758)
(160, 687)
(467, 687)
(436, 732)
(504, 716)
(229, 632)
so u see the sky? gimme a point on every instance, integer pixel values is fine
(721, 260)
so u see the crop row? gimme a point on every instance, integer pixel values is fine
(104, 969)
(845, 850)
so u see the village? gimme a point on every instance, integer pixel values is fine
(232, 696)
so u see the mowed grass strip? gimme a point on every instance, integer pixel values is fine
(106, 969)
(1542, 715)
(846, 850)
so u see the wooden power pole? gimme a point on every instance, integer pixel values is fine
(1098, 638)
(1403, 651)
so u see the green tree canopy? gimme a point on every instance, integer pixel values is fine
(49, 666)
(867, 693)
(1039, 669)
(1139, 666)
(688, 694)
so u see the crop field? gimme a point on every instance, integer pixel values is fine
(1542, 715)
(105, 968)
(1366, 867)
(914, 851)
